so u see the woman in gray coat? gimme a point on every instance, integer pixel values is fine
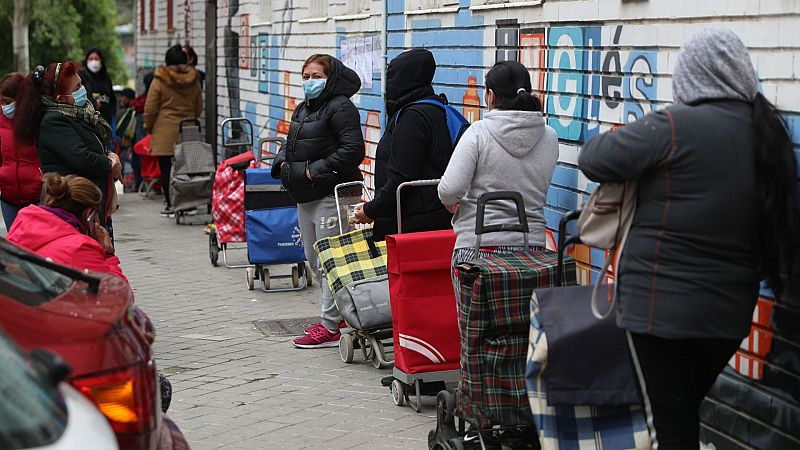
(716, 175)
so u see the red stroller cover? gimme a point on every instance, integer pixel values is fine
(150, 168)
(424, 317)
(227, 200)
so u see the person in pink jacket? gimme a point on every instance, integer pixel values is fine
(65, 227)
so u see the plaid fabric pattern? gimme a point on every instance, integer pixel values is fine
(494, 324)
(227, 204)
(346, 258)
(577, 427)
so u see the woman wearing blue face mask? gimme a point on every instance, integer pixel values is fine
(20, 177)
(324, 148)
(53, 112)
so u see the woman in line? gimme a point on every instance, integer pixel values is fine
(325, 148)
(65, 228)
(70, 136)
(20, 175)
(716, 177)
(99, 88)
(174, 95)
(510, 149)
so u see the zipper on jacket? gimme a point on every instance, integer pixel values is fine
(293, 147)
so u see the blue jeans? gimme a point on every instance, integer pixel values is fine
(9, 213)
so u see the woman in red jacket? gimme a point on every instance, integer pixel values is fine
(20, 175)
(65, 229)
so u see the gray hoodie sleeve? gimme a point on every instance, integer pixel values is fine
(461, 169)
(625, 154)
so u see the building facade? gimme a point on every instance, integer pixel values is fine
(593, 63)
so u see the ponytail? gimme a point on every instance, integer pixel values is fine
(776, 178)
(511, 84)
(48, 82)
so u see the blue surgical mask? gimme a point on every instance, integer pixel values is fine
(8, 110)
(80, 97)
(313, 88)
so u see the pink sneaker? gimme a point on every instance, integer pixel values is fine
(342, 325)
(318, 338)
(312, 327)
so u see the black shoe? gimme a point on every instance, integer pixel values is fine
(491, 440)
(167, 212)
(387, 381)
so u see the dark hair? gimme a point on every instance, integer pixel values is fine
(175, 55)
(321, 59)
(190, 54)
(103, 70)
(72, 193)
(147, 80)
(776, 175)
(505, 79)
(40, 83)
(10, 83)
(128, 92)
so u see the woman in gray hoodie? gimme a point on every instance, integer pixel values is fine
(510, 149)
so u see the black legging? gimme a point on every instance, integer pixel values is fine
(165, 164)
(677, 376)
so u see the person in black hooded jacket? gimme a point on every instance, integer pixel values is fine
(324, 148)
(99, 87)
(417, 147)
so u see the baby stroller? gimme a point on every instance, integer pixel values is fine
(354, 266)
(192, 177)
(271, 228)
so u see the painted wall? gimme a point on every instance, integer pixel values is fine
(594, 64)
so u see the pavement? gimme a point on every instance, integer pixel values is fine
(234, 387)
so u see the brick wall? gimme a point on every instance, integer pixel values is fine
(594, 63)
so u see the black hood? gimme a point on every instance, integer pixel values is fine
(408, 78)
(342, 80)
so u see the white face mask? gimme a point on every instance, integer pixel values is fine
(94, 65)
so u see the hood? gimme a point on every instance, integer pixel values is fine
(517, 132)
(342, 80)
(178, 76)
(714, 65)
(408, 78)
(35, 228)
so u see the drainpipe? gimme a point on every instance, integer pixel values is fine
(211, 75)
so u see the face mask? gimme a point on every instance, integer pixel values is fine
(313, 88)
(8, 110)
(94, 65)
(80, 97)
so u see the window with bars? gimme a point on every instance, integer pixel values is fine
(317, 8)
(170, 16)
(412, 5)
(152, 15)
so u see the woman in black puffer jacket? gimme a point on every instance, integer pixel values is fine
(324, 148)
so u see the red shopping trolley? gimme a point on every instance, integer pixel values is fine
(424, 317)
(151, 172)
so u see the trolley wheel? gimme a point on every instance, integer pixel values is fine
(178, 215)
(309, 274)
(398, 392)
(213, 248)
(295, 276)
(346, 349)
(446, 407)
(378, 353)
(263, 275)
(456, 444)
(251, 277)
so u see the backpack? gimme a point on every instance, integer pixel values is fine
(456, 123)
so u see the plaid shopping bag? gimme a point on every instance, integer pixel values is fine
(351, 257)
(494, 324)
(227, 204)
(600, 420)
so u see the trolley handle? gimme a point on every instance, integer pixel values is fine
(250, 134)
(192, 120)
(415, 183)
(565, 241)
(338, 187)
(480, 226)
(259, 150)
